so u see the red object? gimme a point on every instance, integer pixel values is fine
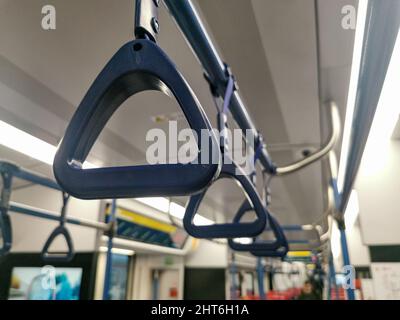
(173, 292)
(288, 294)
(342, 294)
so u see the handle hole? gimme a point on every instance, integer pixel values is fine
(137, 47)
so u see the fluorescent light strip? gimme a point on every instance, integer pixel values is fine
(159, 203)
(27, 144)
(178, 211)
(351, 97)
(377, 149)
(335, 241)
(352, 210)
(243, 240)
(124, 252)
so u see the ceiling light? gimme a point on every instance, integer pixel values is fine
(178, 211)
(124, 252)
(386, 116)
(351, 97)
(243, 240)
(352, 210)
(27, 144)
(159, 203)
(335, 242)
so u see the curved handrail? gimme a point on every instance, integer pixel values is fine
(319, 154)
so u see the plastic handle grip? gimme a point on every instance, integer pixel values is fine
(227, 230)
(5, 232)
(280, 243)
(6, 175)
(58, 257)
(138, 66)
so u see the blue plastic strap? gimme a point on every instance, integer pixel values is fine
(257, 154)
(228, 94)
(258, 151)
(140, 65)
(222, 118)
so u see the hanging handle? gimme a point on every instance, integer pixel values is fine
(227, 230)
(281, 253)
(5, 221)
(5, 232)
(61, 230)
(280, 243)
(140, 65)
(268, 249)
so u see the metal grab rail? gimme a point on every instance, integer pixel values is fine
(319, 154)
(55, 216)
(196, 35)
(27, 175)
(35, 178)
(7, 206)
(316, 243)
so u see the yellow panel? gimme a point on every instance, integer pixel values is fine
(144, 221)
(299, 254)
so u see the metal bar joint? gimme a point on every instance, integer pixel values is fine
(146, 19)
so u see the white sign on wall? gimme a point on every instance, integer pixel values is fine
(367, 288)
(386, 280)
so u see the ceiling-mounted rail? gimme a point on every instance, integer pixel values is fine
(217, 74)
(323, 151)
(381, 29)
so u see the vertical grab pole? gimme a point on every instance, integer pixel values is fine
(346, 260)
(343, 238)
(233, 271)
(5, 222)
(332, 278)
(155, 284)
(107, 276)
(329, 295)
(260, 278)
